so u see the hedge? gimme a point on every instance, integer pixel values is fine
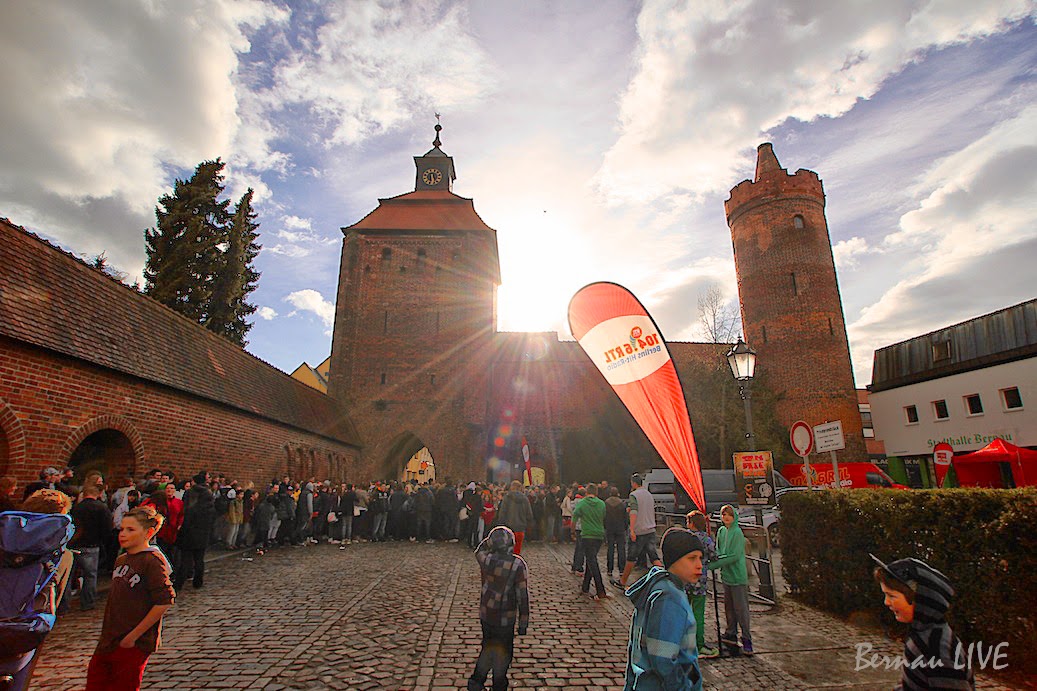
(984, 540)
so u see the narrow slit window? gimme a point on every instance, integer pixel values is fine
(383, 377)
(385, 322)
(795, 287)
(765, 334)
(797, 222)
(831, 328)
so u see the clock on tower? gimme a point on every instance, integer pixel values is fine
(435, 170)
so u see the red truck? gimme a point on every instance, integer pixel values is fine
(851, 475)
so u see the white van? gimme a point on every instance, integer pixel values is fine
(660, 484)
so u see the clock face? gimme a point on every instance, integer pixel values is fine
(432, 176)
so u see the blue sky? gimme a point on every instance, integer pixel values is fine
(600, 139)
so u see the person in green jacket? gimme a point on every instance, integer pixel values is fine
(590, 512)
(730, 560)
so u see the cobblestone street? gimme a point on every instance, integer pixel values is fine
(405, 616)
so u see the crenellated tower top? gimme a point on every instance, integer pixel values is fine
(771, 182)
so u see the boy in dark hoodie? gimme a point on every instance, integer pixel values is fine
(919, 595)
(503, 603)
(662, 653)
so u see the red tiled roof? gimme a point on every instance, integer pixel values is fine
(423, 210)
(53, 300)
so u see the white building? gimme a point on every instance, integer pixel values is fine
(965, 385)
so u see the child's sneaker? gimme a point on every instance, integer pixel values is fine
(747, 646)
(729, 640)
(707, 653)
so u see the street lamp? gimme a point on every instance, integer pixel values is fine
(742, 359)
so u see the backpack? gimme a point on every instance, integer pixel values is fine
(30, 549)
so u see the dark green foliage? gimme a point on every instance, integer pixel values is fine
(236, 277)
(983, 540)
(200, 254)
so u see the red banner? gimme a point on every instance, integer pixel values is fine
(942, 455)
(622, 340)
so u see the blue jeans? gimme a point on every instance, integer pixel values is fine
(378, 522)
(86, 560)
(616, 541)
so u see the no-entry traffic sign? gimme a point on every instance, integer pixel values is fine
(802, 437)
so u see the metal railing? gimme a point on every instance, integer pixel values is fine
(762, 565)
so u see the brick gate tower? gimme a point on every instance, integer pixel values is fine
(414, 325)
(791, 309)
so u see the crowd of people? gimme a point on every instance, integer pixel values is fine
(156, 530)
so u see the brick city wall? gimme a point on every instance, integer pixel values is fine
(791, 308)
(49, 403)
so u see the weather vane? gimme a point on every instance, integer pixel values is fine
(439, 127)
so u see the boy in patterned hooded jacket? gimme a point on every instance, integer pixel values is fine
(919, 595)
(504, 602)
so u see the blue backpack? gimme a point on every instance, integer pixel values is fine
(31, 545)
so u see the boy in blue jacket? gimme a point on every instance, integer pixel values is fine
(662, 652)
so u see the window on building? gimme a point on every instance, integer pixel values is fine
(385, 322)
(764, 334)
(941, 351)
(383, 377)
(973, 404)
(795, 287)
(1011, 398)
(432, 379)
(866, 418)
(386, 254)
(797, 222)
(912, 414)
(940, 411)
(869, 433)
(421, 258)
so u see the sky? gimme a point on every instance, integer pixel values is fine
(599, 138)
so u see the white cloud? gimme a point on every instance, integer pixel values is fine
(102, 97)
(311, 301)
(975, 221)
(373, 66)
(712, 77)
(266, 313)
(297, 223)
(847, 252)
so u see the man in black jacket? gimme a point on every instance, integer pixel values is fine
(193, 538)
(93, 523)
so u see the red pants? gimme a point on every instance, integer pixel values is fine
(518, 542)
(121, 669)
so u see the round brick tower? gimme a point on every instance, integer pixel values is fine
(791, 309)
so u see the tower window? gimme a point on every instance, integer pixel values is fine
(403, 269)
(764, 334)
(432, 379)
(385, 325)
(386, 254)
(367, 269)
(383, 377)
(421, 258)
(795, 287)
(797, 222)
(831, 329)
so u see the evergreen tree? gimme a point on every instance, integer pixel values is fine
(182, 249)
(236, 277)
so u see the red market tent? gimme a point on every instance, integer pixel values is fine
(983, 468)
